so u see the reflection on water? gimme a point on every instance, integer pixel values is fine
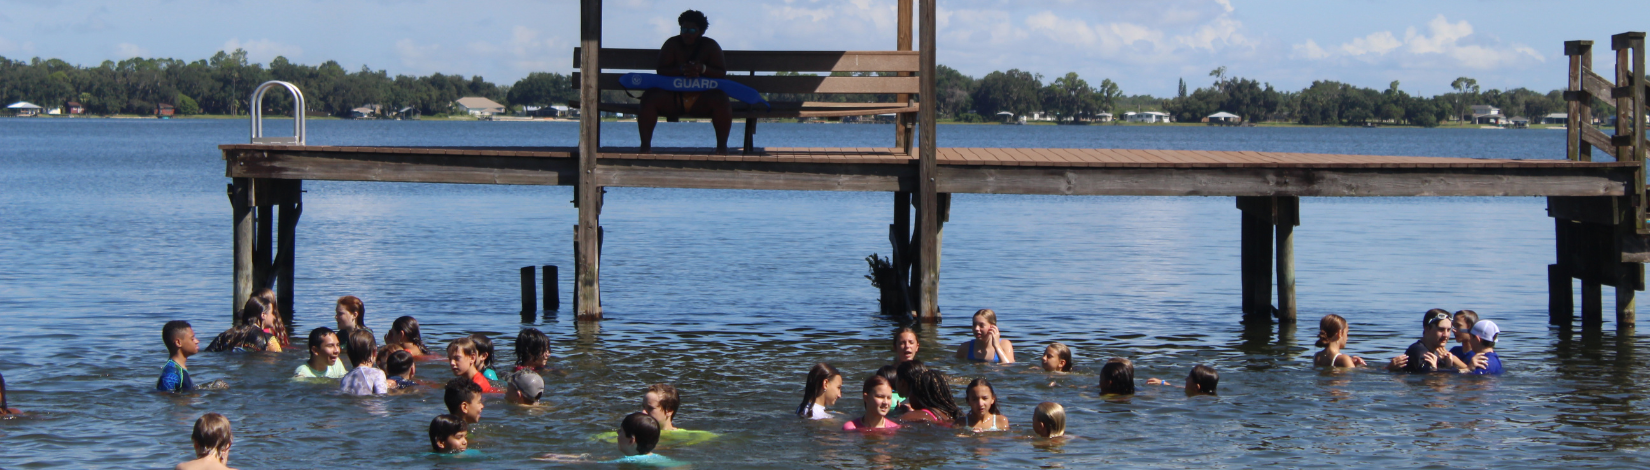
(732, 295)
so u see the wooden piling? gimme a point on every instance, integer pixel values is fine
(1560, 297)
(291, 209)
(1579, 104)
(240, 201)
(1286, 216)
(263, 251)
(928, 170)
(902, 121)
(529, 297)
(552, 288)
(1256, 256)
(587, 255)
(899, 237)
(1592, 304)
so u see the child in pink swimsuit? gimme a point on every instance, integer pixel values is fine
(879, 397)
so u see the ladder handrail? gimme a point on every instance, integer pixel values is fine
(258, 115)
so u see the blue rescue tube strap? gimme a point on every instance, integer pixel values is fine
(735, 90)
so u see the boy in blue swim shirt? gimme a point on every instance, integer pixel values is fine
(180, 344)
(638, 435)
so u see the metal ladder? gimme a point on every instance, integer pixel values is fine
(258, 115)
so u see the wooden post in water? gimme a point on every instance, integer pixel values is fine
(291, 208)
(898, 296)
(1256, 253)
(263, 253)
(1561, 310)
(1287, 216)
(928, 220)
(1592, 305)
(587, 255)
(1579, 102)
(529, 298)
(552, 288)
(240, 202)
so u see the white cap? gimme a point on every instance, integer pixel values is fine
(1485, 330)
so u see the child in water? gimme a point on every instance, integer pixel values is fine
(1203, 380)
(891, 372)
(638, 435)
(983, 414)
(400, 368)
(931, 400)
(1477, 348)
(463, 399)
(905, 345)
(180, 344)
(824, 387)
(484, 356)
(532, 350)
(1117, 377)
(1057, 358)
(212, 439)
(878, 399)
(323, 357)
(404, 335)
(275, 325)
(1332, 336)
(988, 344)
(1049, 420)
(5, 408)
(524, 389)
(365, 379)
(463, 356)
(449, 435)
(660, 402)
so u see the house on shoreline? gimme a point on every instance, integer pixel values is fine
(478, 106)
(24, 108)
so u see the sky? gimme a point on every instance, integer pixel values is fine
(1145, 46)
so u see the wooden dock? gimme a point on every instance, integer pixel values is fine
(1599, 207)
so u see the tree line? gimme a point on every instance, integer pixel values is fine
(222, 83)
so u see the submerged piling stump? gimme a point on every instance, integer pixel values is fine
(529, 298)
(552, 288)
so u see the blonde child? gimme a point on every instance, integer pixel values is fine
(323, 357)
(212, 439)
(463, 356)
(878, 398)
(988, 344)
(1332, 336)
(983, 415)
(1057, 358)
(1049, 420)
(823, 389)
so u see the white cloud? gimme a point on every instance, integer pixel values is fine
(531, 52)
(1444, 44)
(128, 50)
(263, 50)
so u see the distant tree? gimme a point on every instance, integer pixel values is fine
(1106, 96)
(1070, 98)
(954, 92)
(187, 106)
(1014, 91)
(542, 89)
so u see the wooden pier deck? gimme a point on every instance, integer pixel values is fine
(960, 170)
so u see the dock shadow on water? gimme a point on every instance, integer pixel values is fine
(732, 295)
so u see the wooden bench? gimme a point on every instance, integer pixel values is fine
(906, 63)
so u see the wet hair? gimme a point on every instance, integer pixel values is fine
(908, 372)
(990, 316)
(398, 363)
(1064, 353)
(988, 388)
(889, 372)
(354, 305)
(872, 382)
(279, 328)
(460, 391)
(1470, 316)
(318, 335)
(931, 392)
(1329, 328)
(245, 336)
(252, 312)
(1117, 377)
(464, 345)
(1430, 313)
(484, 345)
(817, 376)
(211, 433)
(904, 330)
(530, 344)
(1053, 417)
(443, 427)
(361, 345)
(1205, 377)
(669, 399)
(172, 332)
(408, 327)
(643, 428)
(695, 17)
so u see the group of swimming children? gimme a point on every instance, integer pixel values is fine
(906, 391)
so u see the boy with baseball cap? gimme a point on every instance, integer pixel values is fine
(524, 388)
(1479, 348)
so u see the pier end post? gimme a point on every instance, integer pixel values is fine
(291, 207)
(1256, 256)
(928, 223)
(240, 201)
(587, 196)
(1287, 216)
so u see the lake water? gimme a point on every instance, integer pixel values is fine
(109, 228)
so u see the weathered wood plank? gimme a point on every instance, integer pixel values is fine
(771, 61)
(459, 169)
(791, 84)
(928, 223)
(1284, 182)
(757, 175)
(587, 238)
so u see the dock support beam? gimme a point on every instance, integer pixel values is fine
(1262, 217)
(587, 196)
(240, 201)
(291, 206)
(928, 201)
